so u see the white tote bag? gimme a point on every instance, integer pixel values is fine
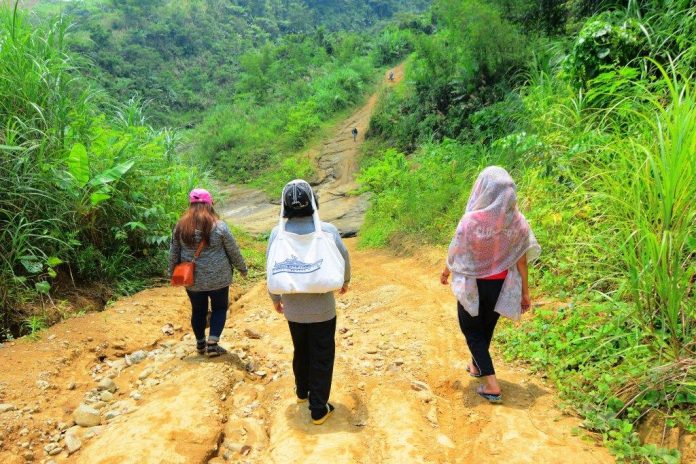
(304, 263)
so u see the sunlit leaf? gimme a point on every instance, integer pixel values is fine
(78, 164)
(112, 174)
(42, 287)
(98, 197)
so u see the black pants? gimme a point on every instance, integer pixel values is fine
(313, 362)
(219, 301)
(478, 330)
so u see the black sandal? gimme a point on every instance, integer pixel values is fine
(322, 419)
(490, 397)
(472, 374)
(213, 350)
(200, 348)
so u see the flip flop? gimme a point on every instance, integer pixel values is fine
(472, 374)
(490, 397)
(329, 411)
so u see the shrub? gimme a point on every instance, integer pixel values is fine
(608, 40)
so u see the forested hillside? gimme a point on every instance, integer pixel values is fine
(590, 106)
(184, 57)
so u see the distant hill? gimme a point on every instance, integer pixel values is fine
(182, 57)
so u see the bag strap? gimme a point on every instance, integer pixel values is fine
(198, 250)
(315, 217)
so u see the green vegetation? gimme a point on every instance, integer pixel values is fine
(94, 189)
(185, 57)
(254, 81)
(287, 93)
(88, 195)
(592, 110)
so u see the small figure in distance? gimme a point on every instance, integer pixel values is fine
(391, 75)
(355, 133)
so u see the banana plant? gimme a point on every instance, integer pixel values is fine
(91, 189)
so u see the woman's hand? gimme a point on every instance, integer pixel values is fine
(444, 276)
(278, 307)
(343, 289)
(526, 301)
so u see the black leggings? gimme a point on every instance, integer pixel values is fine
(219, 301)
(313, 362)
(478, 330)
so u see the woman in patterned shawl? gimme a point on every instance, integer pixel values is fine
(488, 259)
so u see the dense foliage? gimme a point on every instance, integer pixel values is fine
(87, 195)
(184, 57)
(597, 125)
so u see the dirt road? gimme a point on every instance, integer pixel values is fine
(400, 388)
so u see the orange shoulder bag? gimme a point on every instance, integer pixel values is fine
(184, 271)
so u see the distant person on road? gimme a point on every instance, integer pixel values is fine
(201, 227)
(311, 316)
(488, 261)
(391, 75)
(355, 133)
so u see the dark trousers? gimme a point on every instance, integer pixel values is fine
(313, 362)
(219, 301)
(478, 330)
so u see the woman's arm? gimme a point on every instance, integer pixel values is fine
(276, 299)
(524, 271)
(174, 252)
(346, 257)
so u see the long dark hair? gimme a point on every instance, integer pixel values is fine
(199, 216)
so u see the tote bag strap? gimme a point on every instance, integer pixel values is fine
(315, 217)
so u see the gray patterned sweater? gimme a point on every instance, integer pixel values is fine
(215, 263)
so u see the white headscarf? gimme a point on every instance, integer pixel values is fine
(490, 238)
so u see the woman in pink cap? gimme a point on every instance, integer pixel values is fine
(200, 228)
(488, 260)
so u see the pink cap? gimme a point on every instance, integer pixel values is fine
(200, 196)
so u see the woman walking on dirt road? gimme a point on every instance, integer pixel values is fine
(201, 234)
(488, 260)
(311, 316)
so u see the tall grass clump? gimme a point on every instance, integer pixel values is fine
(653, 204)
(86, 195)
